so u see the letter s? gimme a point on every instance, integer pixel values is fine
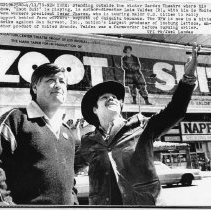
(168, 79)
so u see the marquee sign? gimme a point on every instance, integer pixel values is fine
(196, 131)
(90, 61)
(87, 69)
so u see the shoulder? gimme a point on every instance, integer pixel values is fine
(12, 115)
(133, 56)
(10, 124)
(87, 141)
(124, 58)
(88, 136)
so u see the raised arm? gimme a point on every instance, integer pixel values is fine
(176, 109)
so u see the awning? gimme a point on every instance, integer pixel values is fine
(163, 146)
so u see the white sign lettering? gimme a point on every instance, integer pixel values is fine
(7, 58)
(96, 68)
(172, 138)
(196, 138)
(165, 81)
(27, 61)
(168, 80)
(76, 73)
(203, 83)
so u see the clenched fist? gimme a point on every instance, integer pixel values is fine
(190, 66)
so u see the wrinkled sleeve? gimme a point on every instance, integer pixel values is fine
(175, 111)
(82, 155)
(8, 144)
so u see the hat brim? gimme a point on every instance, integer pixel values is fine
(90, 98)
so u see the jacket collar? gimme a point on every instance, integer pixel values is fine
(101, 134)
(137, 120)
(34, 111)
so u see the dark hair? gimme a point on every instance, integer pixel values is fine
(127, 47)
(44, 70)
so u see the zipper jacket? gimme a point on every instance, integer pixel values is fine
(121, 169)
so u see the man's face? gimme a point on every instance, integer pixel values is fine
(107, 104)
(52, 90)
(128, 52)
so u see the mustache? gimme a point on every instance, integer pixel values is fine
(110, 100)
(57, 91)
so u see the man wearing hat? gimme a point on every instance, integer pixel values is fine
(133, 75)
(37, 148)
(119, 152)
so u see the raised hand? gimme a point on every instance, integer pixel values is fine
(191, 64)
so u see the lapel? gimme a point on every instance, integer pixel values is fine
(99, 137)
(112, 138)
(128, 128)
(122, 128)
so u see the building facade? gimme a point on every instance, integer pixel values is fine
(91, 59)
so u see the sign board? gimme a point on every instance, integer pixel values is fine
(196, 131)
(172, 138)
(94, 59)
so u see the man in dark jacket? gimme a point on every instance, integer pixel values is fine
(119, 152)
(37, 148)
(133, 75)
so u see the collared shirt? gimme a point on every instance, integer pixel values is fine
(113, 128)
(42, 169)
(34, 111)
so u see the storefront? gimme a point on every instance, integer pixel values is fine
(195, 130)
(175, 155)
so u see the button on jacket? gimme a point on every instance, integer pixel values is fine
(121, 169)
(38, 161)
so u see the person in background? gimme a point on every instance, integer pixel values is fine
(119, 152)
(37, 148)
(134, 78)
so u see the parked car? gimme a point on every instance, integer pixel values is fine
(169, 176)
(82, 186)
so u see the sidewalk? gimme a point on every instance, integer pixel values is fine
(205, 174)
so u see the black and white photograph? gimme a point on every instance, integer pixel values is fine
(105, 104)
